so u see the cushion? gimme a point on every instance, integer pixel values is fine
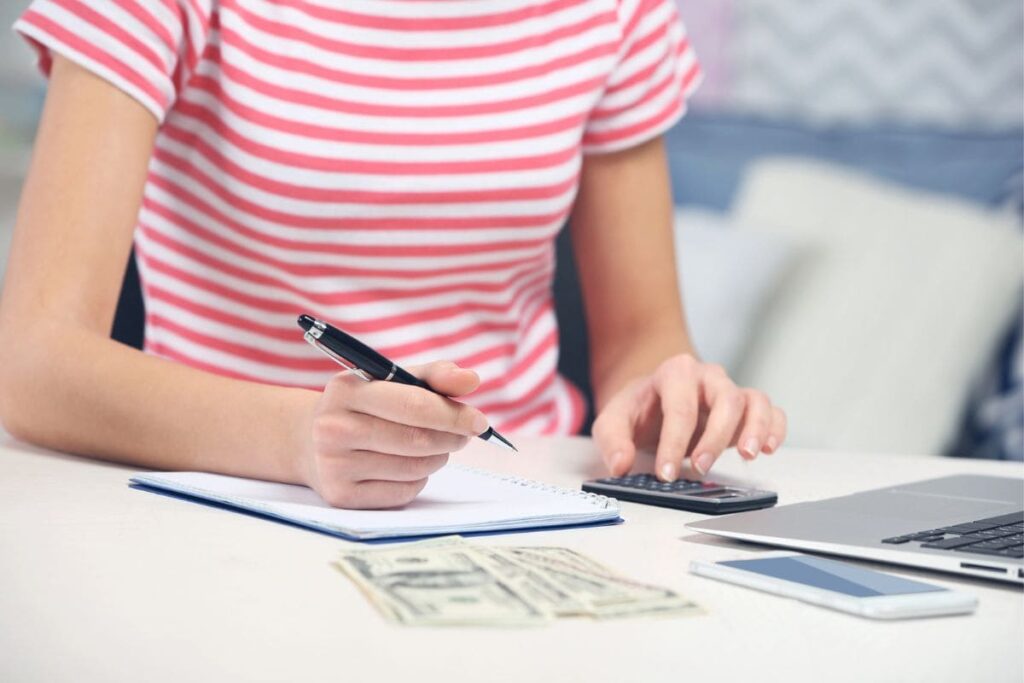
(851, 60)
(709, 153)
(876, 337)
(727, 276)
(946, 63)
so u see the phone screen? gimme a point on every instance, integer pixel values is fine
(832, 576)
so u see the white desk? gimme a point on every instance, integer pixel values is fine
(99, 582)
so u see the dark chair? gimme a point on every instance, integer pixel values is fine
(574, 348)
(130, 317)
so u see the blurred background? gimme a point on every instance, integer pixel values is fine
(849, 192)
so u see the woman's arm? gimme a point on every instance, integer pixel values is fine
(623, 243)
(64, 384)
(649, 386)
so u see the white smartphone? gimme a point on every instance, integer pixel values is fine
(840, 586)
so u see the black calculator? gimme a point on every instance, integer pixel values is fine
(696, 496)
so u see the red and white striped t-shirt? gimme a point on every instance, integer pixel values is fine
(397, 167)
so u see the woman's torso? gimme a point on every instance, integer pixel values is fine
(398, 167)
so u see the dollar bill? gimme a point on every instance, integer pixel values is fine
(566, 556)
(449, 581)
(606, 593)
(534, 583)
(438, 583)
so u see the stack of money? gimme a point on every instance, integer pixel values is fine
(449, 581)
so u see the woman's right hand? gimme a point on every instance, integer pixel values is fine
(373, 444)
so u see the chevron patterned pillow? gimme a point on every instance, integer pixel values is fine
(951, 63)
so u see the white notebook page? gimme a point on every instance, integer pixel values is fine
(456, 499)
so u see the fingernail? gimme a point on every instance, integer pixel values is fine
(771, 444)
(668, 471)
(753, 446)
(613, 461)
(480, 424)
(703, 462)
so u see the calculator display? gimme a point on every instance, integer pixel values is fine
(716, 493)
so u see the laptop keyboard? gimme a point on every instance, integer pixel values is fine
(1002, 536)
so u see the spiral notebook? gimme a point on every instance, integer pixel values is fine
(456, 500)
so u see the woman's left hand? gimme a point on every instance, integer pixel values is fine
(689, 409)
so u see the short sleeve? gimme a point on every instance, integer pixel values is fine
(147, 48)
(646, 92)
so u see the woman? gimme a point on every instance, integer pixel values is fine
(397, 167)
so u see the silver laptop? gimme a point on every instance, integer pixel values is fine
(964, 524)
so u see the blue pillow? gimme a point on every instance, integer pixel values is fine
(709, 152)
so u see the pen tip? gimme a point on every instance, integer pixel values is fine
(503, 441)
(305, 322)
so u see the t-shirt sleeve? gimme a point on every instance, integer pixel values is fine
(147, 48)
(647, 90)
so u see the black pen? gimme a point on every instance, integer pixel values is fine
(369, 365)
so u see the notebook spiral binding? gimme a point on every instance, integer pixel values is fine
(596, 498)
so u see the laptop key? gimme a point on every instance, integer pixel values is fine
(995, 533)
(1012, 518)
(949, 543)
(896, 540)
(1004, 552)
(979, 547)
(968, 528)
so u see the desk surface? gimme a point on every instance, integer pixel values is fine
(102, 582)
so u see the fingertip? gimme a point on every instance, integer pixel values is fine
(611, 460)
(748, 448)
(466, 379)
(473, 376)
(668, 472)
(454, 368)
(703, 463)
(448, 378)
(688, 470)
(619, 460)
(480, 423)
(667, 463)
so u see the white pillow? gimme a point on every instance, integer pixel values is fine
(874, 340)
(726, 276)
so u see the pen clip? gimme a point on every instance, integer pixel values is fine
(313, 337)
